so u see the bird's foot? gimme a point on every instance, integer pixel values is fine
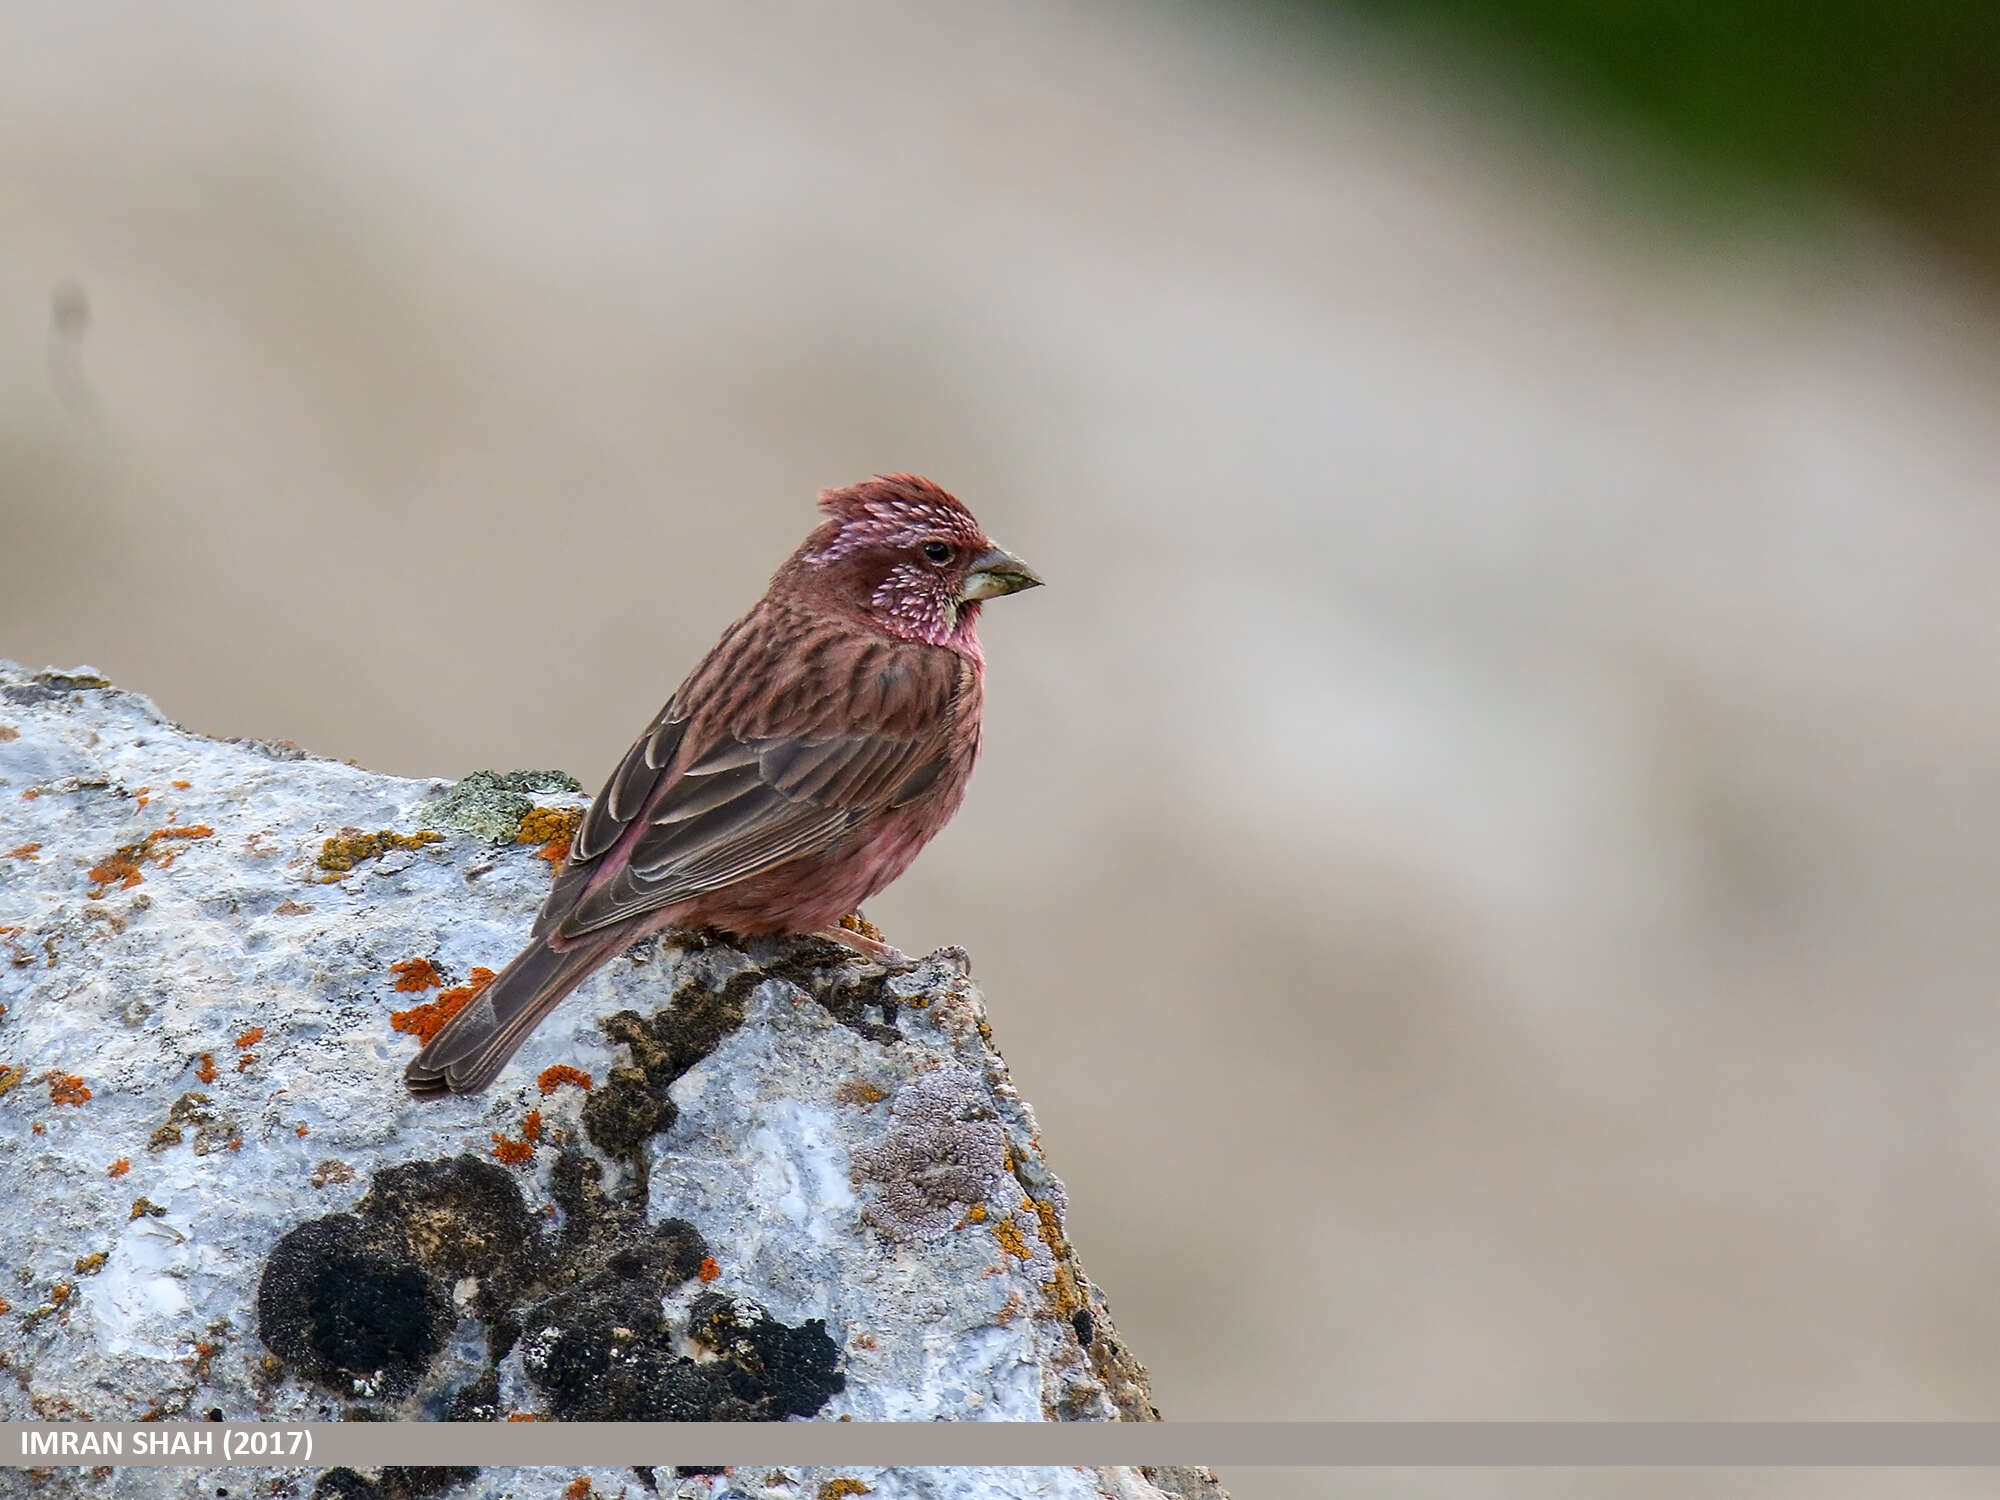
(864, 937)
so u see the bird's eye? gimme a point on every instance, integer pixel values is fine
(938, 552)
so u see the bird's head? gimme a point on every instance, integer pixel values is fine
(908, 558)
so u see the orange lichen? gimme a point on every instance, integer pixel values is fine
(1062, 1295)
(10, 1079)
(160, 848)
(842, 1488)
(551, 1079)
(119, 1167)
(854, 1091)
(290, 908)
(26, 853)
(141, 796)
(59, 1293)
(348, 848)
(1051, 1225)
(206, 1070)
(414, 974)
(301, 1132)
(243, 1062)
(426, 1020)
(91, 1264)
(120, 869)
(577, 1489)
(181, 786)
(511, 1153)
(31, 794)
(66, 1088)
(1011, 1239)
(554, 828)
(855, 922)
(709, 1269)
(531, 1128)
(251, 1037)
(5, 1307)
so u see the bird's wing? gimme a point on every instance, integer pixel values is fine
(763, 756)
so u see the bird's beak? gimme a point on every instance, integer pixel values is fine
(997, 572)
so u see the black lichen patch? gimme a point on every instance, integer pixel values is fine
(421, 1481)
(628, 1106)
(349, 1315)
(346, 1484)
(477, 1402)
(774, 1371)
(632, 1103)
(418, 1482)
(362, 1302)
(1081, 1321)
(461, 1217)
(603, 1352)
(601, 1349)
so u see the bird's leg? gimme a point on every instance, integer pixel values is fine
(864, 937)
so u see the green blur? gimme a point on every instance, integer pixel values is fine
(1895, 102)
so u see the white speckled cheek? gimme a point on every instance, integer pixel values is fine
(910, 597)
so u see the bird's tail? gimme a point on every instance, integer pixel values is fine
(474, 1045)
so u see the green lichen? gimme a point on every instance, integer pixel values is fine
(492, 803)
(541, 781)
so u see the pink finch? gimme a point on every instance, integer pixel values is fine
(825, 739)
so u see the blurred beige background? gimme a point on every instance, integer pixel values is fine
(1487, 852)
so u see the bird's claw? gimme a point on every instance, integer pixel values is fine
(870, 947)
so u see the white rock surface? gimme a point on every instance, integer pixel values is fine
(868, 1190)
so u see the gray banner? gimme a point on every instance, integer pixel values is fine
(920, 1444)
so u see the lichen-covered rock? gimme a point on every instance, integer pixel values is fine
(718, 1184)
(494, 803)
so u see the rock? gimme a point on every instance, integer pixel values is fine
(722, 1182)
(493, 803)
